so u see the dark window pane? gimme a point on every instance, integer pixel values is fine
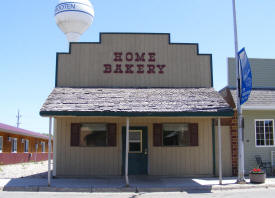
(93, 135)
(170, 138)
(184, 138)
(96, 138)
(262, 136)
(176, 135)
(134, 147)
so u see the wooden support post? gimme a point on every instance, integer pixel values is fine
(220, 150)
(49, 151)
(127, 152)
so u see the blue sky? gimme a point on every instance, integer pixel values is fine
(30, 39)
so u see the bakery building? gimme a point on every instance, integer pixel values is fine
(141, 89)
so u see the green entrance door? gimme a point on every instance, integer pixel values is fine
(138, 151)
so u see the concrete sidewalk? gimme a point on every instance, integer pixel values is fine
(137, 184)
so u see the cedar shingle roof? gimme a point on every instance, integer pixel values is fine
(258, 97)
(133, 100)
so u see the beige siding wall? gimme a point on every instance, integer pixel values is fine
(84, 66)
(84, 161)
(263, 72)
(226, 151)
(250, 149)
(183, 161)
(172, 161)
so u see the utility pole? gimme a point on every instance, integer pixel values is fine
(18, 118)
(240, 179)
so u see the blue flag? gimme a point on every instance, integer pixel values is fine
(246, 76)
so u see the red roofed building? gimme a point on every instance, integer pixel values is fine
(19, 145)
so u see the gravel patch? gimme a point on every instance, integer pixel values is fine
(20, 170)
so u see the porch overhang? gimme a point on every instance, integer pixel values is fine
(136, 102)
(228, 113)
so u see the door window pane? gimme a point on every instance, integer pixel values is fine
(135, 141)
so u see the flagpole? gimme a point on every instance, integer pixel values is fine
(240, 178)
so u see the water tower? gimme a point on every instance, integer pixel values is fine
(74, 17)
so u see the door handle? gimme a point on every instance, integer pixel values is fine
(145, 151)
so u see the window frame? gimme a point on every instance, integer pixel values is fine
(26, 141)
(2, 141)
(94, 123)
(43, 147)
(255, 133)
(183, 123)
(12, 145)
(141, 142)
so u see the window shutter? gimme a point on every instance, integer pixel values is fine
(75, 134)
(194, 135)
(111, 134)
(157, 133)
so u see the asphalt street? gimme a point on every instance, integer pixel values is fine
(251, 193)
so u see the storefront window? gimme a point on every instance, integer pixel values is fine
(176, 135)
(93, 135)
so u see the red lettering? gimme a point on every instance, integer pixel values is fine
(108, 68)
(129, 69)
(152, 57)
(129, 56)
(161, 67)
(140, 57)
(151, 69)
(140, 69)
(118, 69)
(118, 57)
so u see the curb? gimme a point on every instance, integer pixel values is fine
(64, 189)
(241, 186)
(21, 188)
(133, 189)
(119, 189)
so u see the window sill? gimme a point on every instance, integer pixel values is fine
(176, 146)
(265, 146)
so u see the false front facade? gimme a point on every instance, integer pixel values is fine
(163, 91)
